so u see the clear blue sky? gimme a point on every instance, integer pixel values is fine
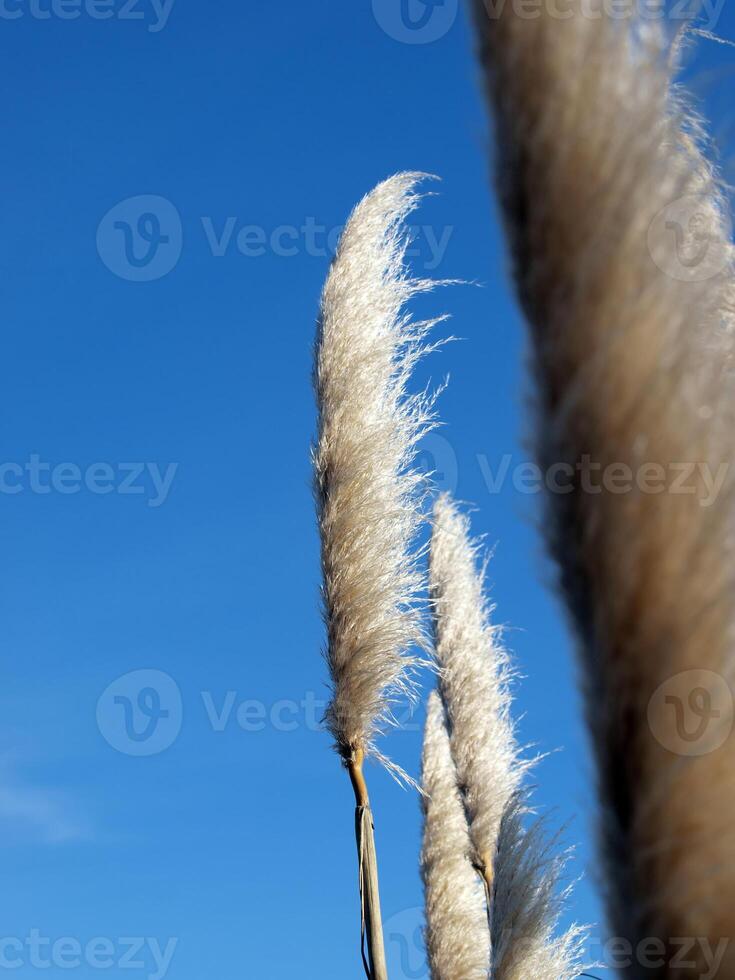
(155, 375)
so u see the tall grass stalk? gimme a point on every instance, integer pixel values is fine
(369, 496)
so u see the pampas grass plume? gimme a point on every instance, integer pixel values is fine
(369, 497)
(368, 492)
(602, 170)
(474, 679)
(527, 903)
(457, 936)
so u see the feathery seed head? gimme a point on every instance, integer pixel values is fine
(457, 935)
(368, 492)
(624, 264)
(527, 904)
(474, 678)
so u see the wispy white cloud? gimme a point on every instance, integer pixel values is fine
(38, 814)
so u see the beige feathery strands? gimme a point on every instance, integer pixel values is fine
(625, 268)
(527, 904)
(484, 877)
(369, 496)
(457, 936)
(623, 257)
(474, 682)
(473, 774)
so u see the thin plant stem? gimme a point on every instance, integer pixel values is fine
(373, 956)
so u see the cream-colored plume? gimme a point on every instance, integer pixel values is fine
(474, 787)
(457, 935)
(527, 904)
(368, 494)
(624, 265)
(474, 682)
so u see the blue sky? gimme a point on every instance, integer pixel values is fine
(172, 182)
